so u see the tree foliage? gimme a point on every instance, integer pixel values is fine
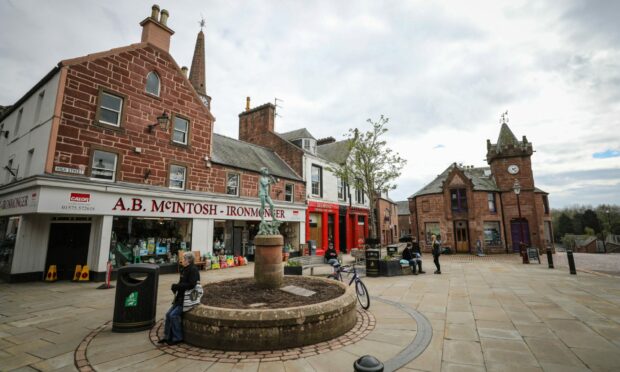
(602, 220)
(371, 166)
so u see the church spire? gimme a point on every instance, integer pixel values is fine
(197, 72)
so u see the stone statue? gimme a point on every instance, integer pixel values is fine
(266, 227)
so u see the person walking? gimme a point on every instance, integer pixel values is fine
(189, 277)
(436, 252)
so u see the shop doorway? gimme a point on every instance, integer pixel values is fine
(237, 240)
(67, 247)
(342, 227)
(330, 229)
(316, 229)
(461, 236)
(520, 232)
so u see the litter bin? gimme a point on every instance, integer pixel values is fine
(372, 261)
(136, 298)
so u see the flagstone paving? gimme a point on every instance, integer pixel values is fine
(483, 313)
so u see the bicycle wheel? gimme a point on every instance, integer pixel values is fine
(362, 294)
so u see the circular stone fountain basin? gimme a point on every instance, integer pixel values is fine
(271, 329)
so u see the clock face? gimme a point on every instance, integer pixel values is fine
(513, 169)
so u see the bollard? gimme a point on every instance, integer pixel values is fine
(367, 363)
(550, 258)
(571, 262)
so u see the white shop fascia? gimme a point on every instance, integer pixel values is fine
(66, 196)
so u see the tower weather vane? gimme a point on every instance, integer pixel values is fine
(202, 23)
(504, 118)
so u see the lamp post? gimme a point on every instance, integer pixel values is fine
(609, 232)
(517, 190)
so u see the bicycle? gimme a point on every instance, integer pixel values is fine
(360, 288)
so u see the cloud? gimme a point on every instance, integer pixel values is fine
(442, 71)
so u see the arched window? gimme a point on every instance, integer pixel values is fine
(152, 83)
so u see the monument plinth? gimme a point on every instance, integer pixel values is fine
(268, 271)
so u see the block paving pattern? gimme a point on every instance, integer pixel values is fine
(364, 325)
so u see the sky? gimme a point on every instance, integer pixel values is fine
(443, 72)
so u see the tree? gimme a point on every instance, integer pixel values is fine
(565, 225)
(578, 223)
(371, 166)
(591, 220)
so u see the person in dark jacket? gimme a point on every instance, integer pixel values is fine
(412, 254)
(331, 256)
(189, 277)
(436, 252)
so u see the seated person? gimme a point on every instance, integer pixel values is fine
(412, 254)
(331, 256)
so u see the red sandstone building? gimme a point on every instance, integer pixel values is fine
(466, 204)
(336, 213)
(386, 211)
(112, 156)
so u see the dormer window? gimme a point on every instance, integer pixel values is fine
(152, 83)
(309, 145)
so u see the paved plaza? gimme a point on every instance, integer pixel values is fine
(482, 314)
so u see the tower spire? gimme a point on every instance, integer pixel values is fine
(197, 72)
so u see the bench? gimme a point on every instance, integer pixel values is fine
(310, 262)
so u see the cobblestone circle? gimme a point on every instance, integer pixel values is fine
(364, 325)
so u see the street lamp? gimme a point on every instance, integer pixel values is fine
(517, 189)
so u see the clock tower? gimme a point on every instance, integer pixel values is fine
(510, 161)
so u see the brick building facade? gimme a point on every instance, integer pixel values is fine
(129, 149)
(387, 219)
(464, 204)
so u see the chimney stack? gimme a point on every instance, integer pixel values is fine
(247, 103)
(155, 31)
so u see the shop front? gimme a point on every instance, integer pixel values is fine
(343, 226)
(79, 223)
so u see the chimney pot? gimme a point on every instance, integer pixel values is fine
(155, 12)
(247, 103)
(164, 17)
(184, 69)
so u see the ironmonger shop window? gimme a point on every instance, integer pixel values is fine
(104, 165)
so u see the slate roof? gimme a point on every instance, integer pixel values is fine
(336, 152)
(403, 207)
(506, 137)
(239, 154)
(296, 134)
(481, 181)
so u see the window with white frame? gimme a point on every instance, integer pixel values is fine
(104, 165)
(342, 189)
(309, 145)
(492, 235)
(18, 123)
(288, 192)
(177, 177)
(431, 228)
(491, 201)
(359, 193)
(232, 184)
(110, 109)
(317, 180)
(152, 83)
(180, 130)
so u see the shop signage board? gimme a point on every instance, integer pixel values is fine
(53, 200)
(19, 203)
